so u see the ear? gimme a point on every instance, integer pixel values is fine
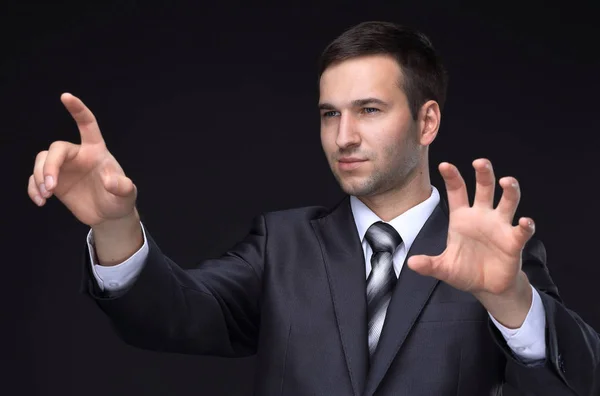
(429, 122)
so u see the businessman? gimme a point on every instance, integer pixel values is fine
(396, 290)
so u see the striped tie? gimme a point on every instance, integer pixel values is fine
(384, 240)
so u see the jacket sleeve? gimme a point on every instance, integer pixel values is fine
(572, 361)
(212, 309)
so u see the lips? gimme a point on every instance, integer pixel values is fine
(351, 159)
(350, 163)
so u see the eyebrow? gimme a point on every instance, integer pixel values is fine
(355, 103)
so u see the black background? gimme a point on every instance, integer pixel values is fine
(211, 110)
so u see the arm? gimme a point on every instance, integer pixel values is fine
(116, 278)
(498, 262)
(210, 310)
(528, 341)
(572, 346)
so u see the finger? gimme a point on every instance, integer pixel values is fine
(119, 185)
(38, 173)
(34, 192)
(424, 265)
(485, 183)
(58, 153)
(511, 196)
(524, 230)
(85, 119)
(455, 186)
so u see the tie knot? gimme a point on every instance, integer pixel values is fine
(383, 237)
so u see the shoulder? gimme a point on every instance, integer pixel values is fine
(303, 215)
(299, 214)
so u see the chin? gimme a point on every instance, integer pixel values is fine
(358, 188)
(357, 184)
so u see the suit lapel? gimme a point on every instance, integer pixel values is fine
(345, 266)
(409, 297)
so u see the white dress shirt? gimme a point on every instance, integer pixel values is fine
(527, 342)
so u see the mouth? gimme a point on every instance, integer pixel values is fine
(347, 164)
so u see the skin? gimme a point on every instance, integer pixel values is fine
(89, 181)
(365, 115)
(483, 253)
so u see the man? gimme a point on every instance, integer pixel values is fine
(391, 292)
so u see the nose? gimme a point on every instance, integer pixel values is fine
(347, 135)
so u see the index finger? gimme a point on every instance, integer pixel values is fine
(86, 122)
(455, 186)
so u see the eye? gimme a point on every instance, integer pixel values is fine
(328, 114)
(370, 110)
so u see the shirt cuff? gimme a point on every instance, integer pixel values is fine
(121, 276)
(528, 342)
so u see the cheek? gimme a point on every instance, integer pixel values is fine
(385, 143)
(390, 150)
(328, 142)
(394, 137)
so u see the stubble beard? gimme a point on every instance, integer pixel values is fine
(400, 163)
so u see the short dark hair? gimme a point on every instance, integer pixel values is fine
(424, 76)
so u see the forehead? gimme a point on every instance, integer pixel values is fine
(369, 76)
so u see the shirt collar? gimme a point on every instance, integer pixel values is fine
(408, 224)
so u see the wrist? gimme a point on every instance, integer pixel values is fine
(118, 223)
(118, 239)
(510, 307)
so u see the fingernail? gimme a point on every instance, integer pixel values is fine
(49, 181)
(38, 200)
(43, 189)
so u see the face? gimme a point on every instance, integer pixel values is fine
(367, 131)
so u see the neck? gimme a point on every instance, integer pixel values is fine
(395, 201)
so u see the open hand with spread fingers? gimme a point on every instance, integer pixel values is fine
(483, 252)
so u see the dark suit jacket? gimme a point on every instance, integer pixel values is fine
(293, 293)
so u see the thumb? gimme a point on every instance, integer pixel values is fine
(422, 264)
(120, 185)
